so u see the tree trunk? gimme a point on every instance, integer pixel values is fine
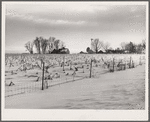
(31, 52)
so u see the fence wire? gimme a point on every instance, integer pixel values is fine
(67, 73)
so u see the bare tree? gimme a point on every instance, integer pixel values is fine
(96, 45)
(123, 45)
(44, 45)
(47, 45)
(56, 44)
(106, 46)
(130, 47)
(50, 44)
(29, 47)
(62, 44)
(37, 45)
(139, 48)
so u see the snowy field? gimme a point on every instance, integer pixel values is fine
(121, 89)
(109, 91)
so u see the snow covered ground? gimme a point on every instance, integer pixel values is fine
(118, 90)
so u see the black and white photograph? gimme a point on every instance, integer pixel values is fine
(75, 60)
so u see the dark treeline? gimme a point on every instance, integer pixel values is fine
(101, 47)
(47, 46)
(56, 46)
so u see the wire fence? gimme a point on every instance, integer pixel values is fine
(12, 89)
(91, 68)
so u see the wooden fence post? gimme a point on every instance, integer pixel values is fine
(70, 65)
(91, 69)
(130, 62)
(113, 65)
(83, 68)
(74, 73)
(43, 77)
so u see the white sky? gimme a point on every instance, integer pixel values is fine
(75, 23)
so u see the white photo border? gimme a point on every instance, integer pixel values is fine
(61, 114)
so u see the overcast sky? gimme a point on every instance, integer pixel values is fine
(75, 23)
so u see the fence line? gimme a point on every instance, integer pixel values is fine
(93, 67)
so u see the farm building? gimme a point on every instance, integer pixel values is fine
(61, 51)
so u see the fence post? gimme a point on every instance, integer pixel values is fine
(130, 62)
(83, 68)
(74, 73)
(113, 64)
(91, 68)
(43, 77)
(70, 65)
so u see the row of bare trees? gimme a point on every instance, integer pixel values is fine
(43, 45)
(98, 46)
(134, 48)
